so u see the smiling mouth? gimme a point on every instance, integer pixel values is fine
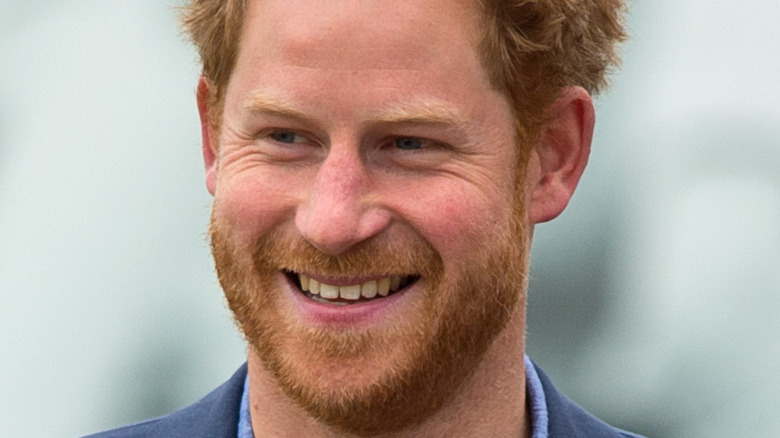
(351, 293)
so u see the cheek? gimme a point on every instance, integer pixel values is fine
(459, 225)
(250, 208)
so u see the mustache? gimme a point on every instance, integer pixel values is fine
(383, 255)
(376, 256)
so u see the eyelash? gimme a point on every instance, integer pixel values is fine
(421, 143)
(409, 143)
(276, 135)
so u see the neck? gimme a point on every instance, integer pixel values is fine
(491, 403)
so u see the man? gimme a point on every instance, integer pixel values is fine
(377, 169)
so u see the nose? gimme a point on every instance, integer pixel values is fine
(342, 207)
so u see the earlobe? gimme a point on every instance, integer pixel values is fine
(561, 154)
(209, 151)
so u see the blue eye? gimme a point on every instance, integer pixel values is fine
(287, 137)
(408, 143)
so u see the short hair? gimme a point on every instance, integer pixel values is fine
(531, 49)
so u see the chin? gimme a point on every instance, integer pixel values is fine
(399, 363)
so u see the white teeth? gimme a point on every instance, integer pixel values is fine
(329, 291)
(314, 286)
(369, 289)
(350, 292)
(383, 286)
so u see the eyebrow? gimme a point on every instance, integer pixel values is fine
(427, 112)
(259, 103)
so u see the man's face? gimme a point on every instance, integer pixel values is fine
(368, 223)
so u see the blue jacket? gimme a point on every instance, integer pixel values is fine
(216, 416)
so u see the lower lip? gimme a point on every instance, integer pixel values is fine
(350, 315)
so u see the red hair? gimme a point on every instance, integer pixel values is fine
(531, 49)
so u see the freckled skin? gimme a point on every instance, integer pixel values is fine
(342, 181)
(322, 96)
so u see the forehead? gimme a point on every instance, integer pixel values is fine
(355, 34)
(342, 61)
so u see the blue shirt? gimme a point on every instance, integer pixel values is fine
(534, 395)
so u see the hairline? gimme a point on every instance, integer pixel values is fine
(524, 129)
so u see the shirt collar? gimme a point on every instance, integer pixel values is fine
(534, 396)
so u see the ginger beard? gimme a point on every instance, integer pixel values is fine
(370, 381)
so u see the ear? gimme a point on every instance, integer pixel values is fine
(209, 151)
(561, 154)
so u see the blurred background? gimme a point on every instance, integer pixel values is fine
(654, 299)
